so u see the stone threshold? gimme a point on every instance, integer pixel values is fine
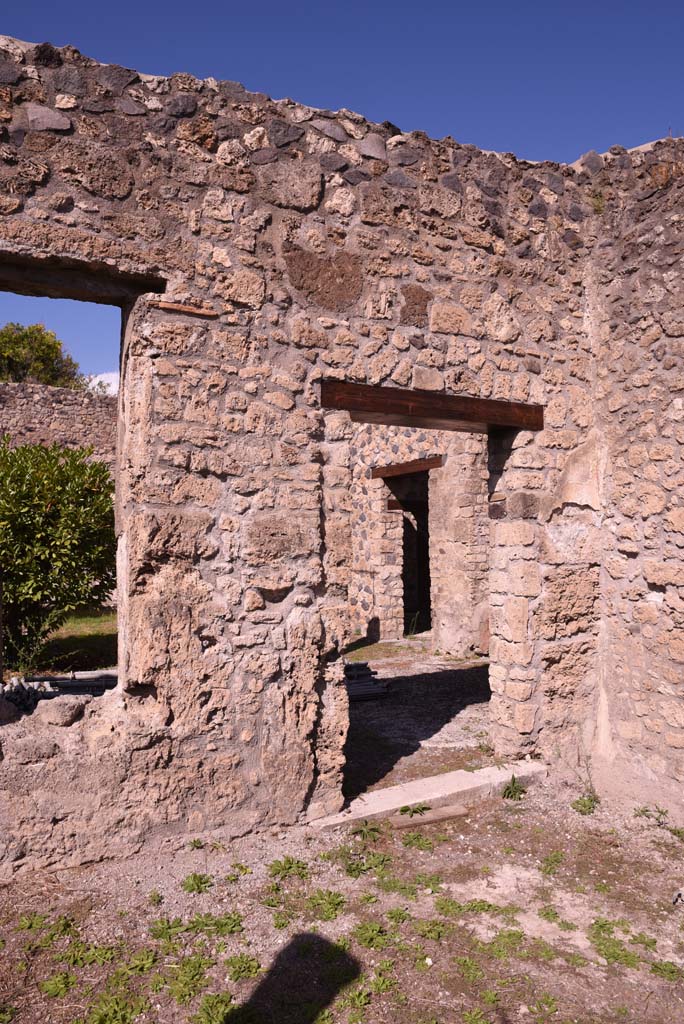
(447, 795)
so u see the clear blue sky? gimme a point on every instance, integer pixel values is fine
(533, 77)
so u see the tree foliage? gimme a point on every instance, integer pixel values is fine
(35, 354)
(57, 541)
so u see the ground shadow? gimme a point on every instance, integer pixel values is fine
(416, 706)
(302, 982)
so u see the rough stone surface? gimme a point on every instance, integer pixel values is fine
(235, 608)
(39, 414)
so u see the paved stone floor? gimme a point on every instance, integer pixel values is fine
(434, 718)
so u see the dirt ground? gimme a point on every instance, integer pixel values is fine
(524, 912)
(433, 718)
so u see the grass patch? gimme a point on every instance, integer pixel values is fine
(613, 950)
(197, 883)
(87, 641)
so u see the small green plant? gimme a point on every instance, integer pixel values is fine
(58, 985)
(475, 1017)
(222, 925)
(214, 1009)
(552, 915)
(282, 918)
(657, 814)
(613, 950)
(111, 1008)
(417, 841)
(668, 970)
(197, 883)
(598, 202)
(242, 965)
(398, 916)
(155, 898)
(434, 930)
(141, 962)
(644, 940)
(545, 1007)
(586, 804)
(189, 977)
(470, 970)
(505, 944)
(371, 935)
(82, 954)
(32, 922)
(196, 844)
(413, 810)
(289, 867)
(513, 790)
(367, 831)
(552, 862)
(326, 904)
(238, 871)
(490, 996)
(7, 1013)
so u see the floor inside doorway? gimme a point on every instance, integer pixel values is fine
(434, 717)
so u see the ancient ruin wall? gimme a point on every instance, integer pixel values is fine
(293, 244)
(38, 414)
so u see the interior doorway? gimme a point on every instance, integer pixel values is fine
(410, 500)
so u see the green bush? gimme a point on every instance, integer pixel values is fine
(33, 353)
(57, 542)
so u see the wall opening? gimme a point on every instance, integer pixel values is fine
(409, 499)
(67, 396)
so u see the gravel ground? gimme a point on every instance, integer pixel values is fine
(523, 912)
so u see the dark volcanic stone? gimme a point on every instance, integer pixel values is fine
(183, 104)
(97, 105)
(556, 184)
(405, 156)
(45, 55)
(282, 133)
(575, 213)
(572, 239)
(330, 128)
(70, 80)
(333, 162)
(538, 208)
(355, 175)
(115, 78)
(400, 180)
(265, 156)
(452, 181)
(592, 162)
(9, 72)
(226, 128)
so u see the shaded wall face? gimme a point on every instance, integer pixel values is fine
(294, 245)
(637, 299)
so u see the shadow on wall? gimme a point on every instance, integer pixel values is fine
(303, 981)
(383, 731)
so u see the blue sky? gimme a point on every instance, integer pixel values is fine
(540, 79)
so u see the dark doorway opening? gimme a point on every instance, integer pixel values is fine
(410, 500)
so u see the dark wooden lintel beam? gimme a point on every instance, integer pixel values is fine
(428, 409)
(402, 468)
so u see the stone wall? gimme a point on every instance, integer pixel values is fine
(38, 414)
(293, 244)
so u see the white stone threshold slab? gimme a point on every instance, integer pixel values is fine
(447, 795)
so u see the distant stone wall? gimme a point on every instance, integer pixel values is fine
(38, 414)
(459, 536)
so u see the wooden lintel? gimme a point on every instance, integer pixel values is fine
(181, 307)
(402, 468)
(428, 409)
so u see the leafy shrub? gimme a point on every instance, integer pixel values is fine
(32, 353)
(57, 542)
